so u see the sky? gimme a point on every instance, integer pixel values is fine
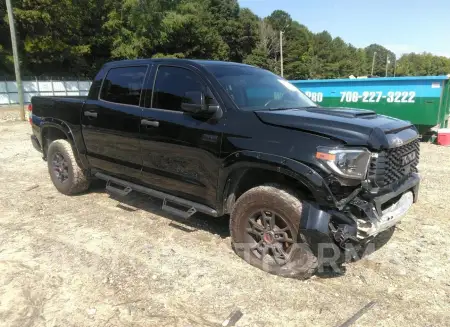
(400, 25)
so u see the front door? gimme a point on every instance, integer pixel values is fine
(180, 151)
(111, 123)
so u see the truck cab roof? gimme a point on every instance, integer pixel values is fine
(195, 62)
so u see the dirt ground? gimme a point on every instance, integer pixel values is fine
(92, 260)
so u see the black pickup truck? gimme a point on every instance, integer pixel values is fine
(303, 185)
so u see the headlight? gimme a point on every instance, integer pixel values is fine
(347, 163)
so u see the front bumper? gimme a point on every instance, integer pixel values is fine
(383, 212)
(329, 231)
(390, 217)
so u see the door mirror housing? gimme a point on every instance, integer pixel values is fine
(197, 103)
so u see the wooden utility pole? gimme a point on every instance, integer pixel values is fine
(395, 65)
(12, 29)
(281, 53)
(387, 64)
(373, 61)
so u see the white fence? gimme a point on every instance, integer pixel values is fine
(9, 95)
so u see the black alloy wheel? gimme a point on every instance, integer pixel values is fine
(60, 167)
(271, 236)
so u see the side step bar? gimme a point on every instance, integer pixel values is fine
(128, 187)
(115, 190)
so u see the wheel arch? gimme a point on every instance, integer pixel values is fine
(247, 169)
(54, 129)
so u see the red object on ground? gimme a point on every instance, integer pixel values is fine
(30, 113)
(444, 136)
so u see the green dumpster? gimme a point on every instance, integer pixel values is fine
(422, 100)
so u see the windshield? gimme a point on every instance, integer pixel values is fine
(253, 89)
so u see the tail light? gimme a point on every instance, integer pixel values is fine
(30, 113)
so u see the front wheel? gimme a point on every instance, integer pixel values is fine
(63, 168)
(265, 232)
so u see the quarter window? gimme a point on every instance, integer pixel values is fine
(124, 85)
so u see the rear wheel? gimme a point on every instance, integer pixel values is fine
(64, 171)
(265, 232)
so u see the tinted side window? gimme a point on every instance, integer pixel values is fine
(123, 85)
(172, 87)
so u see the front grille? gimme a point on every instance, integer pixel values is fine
(395, 164)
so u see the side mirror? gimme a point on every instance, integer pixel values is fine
(194, 102)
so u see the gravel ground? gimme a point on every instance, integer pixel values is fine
(92, 260)
(11, 113)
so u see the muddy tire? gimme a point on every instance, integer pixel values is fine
(265, 232)
(64, 171)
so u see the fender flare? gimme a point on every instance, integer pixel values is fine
(304, 174)
(78, 144)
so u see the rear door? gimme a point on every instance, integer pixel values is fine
(180, 151)
(111, 122)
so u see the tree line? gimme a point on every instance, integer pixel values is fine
(76, 37)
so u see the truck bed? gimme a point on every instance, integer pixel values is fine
(67, 109)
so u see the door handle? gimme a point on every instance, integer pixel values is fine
(92, 114)
(152, 123)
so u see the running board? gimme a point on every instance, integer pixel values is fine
(192, 207)
(121, 192)
(178, 212)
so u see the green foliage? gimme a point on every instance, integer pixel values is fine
(297, 51)
(6, 63)
(381, 55)
(76, 37)
(266, 50)
(422, 64)
(280, 20)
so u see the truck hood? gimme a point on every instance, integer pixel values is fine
(353, 126)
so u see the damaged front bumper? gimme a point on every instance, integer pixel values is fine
(362, 218)
(390, 217)
(382, 212)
